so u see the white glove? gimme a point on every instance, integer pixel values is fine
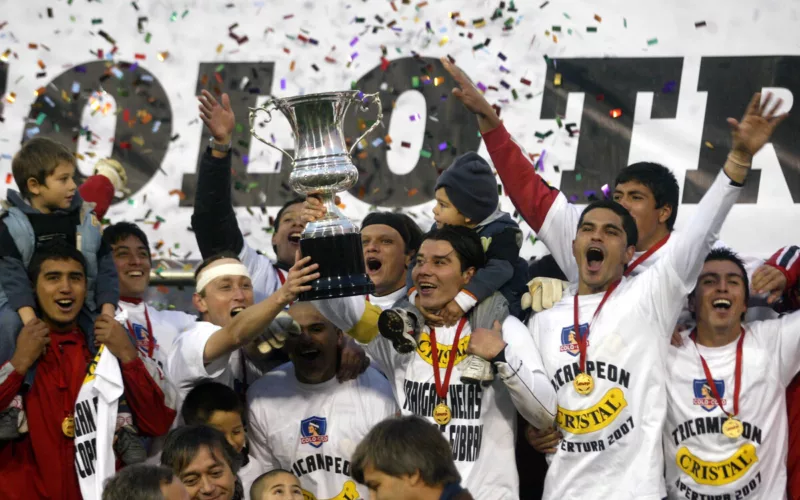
(114, 172)
(543, 293)
(278, 331)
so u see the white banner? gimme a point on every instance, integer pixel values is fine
(691, 59)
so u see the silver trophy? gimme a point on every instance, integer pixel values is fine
(323, 166)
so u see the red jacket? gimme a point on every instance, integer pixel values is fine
(41, 464)
(98, 189)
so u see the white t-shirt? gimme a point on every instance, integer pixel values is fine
(248, 474)
(266, 278)
(166, 326)
(185, 367)
(702, 460)
(483, 429)
(313, 429)
(615, 432)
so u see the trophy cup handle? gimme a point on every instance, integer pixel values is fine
(376, 99)
(267, 110)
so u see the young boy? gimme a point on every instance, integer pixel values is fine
(217, 405)
(466, 195)
(46, 209)
(277, 484)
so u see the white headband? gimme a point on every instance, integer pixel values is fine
(209, 275)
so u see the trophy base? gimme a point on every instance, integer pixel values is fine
(341, 267)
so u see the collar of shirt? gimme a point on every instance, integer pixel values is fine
(388, 300)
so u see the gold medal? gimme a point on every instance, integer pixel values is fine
(732, 428)
(68, 426)
(583, 383)
(442, 414)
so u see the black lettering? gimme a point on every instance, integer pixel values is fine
(601, 369)
(698, 423)
(320, 461)
(601, 142)
(346, 468)
(558, 378)
(407, 391)
(612, 373)
(568, 373)
(624, 376)
(756, 434)
(590, 367)
(338, 465)
(713, 425)
(297, 468)
(310, 464)
(478, 399)
(328, 463)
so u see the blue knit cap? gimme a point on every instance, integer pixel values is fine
(471, 186)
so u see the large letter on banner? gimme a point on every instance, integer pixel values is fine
(608, 84)
(450, 130)
(143, 124)
(730, 83)
(243, 82)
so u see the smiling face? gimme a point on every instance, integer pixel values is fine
(57, 191)
(281, 486)
(208, 476)
(385, 257)
(287, 238)
(224, 297)
(641, 203)
(315, 352)
(600, 249)
(719, 301)
(132, 259)
(60, 292)
(230, 424)
(444, 212)
(437, 275)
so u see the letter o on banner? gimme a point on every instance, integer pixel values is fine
(144, 119)
(451, 130)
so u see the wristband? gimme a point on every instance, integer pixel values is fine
(222, 148)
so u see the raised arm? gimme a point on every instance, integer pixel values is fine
(545, 209)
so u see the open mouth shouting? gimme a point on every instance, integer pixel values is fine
(307, 353)
(65, 306)
(721, 305)
(294, 238)
(373, 265)
(426, 288)
(236, 310)
(594, 259)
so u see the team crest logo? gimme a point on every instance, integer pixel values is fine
(569, 342)
(704, 397)
(141, 337)
(313, 431)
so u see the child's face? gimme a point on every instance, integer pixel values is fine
(57, 191)
(445, 213)
(230, 424)
(282, 486)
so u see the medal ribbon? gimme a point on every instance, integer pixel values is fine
(737, 374)
(441, 388)
(150, 340)
(583, 339)
(650, 251)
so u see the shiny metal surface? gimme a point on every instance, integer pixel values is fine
(322, 163)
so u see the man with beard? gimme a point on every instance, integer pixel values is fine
(301, 419)
(726, 428)
(229, 319)
(479, 422)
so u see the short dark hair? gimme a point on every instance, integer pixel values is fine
(257, 488)
(415, 234)
(38, 158)
(726, 254)
(137, 482)
(115, 233)
(57, 250)
(294, 201)
(659, 180)
(184, 443)
(628, 223)
(465, 242)
(206, 398)
(403, 446)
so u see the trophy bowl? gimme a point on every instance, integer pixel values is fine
(322, 166)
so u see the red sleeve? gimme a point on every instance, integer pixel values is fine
(793, 459)
(98, 189)
(10, 384)
(531, 195)
(152, 416)
(787, 261)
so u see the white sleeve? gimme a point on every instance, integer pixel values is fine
(343, 312)
(557, 233)
(675, 275)
(262, 271)
(185, 364)
(788, 327)
(524, 376)
(382, 404)
(260, 450)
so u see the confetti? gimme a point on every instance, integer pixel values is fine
(443, 146)
(709, 145)
(525, 81)
(615, 113)
(598, 18)
(9, 178)
(700, 24)
(412, 191)
(180, 194)
(591, 29)
(652, 41)
(557, 79)
(405, 144)
(606, 190)
(669, 87)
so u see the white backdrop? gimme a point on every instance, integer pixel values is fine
(192, 32)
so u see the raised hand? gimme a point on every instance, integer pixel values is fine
(301, 273)
(543, 441)
(486, 343)
(472, 98)
(217, 116)
(451, 313)
(768, 279)
(32, 341)
(108, 331)
(755, 129)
